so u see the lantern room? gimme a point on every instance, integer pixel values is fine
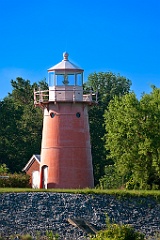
(65, 81)
(65, 73)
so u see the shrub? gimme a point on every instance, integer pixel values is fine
(48, 236)
(3, 168)
(121, 232)
(15, 181)
(111, 180)
(116, 231)
(25, 237)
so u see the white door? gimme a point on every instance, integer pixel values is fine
(45, 176)
(35, 179)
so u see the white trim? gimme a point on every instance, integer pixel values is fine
(30, 162)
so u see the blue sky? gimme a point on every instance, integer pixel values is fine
(122, 36)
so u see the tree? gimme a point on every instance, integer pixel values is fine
(21, 125)
(9, 117)
(107, 85)
(133, 138)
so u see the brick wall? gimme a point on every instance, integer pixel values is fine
(34, 167)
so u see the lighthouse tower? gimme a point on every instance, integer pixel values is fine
(66, 160)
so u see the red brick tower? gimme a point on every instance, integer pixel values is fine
(66, 160)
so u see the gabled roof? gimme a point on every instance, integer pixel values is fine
(65, 64)
(35, 157)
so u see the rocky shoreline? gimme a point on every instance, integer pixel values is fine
(22, 213)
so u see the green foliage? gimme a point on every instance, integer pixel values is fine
(133, 139)
(17, 236)
(121, 232)
(3, 169)
(25, 237)
(48, 236)
(107, 85)
(15, 180)
(111, 180)
(118, 231)
(51, 236)
(21, 125)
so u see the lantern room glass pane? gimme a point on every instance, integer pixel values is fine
(51, 79)
(79, 79)
(65, 79)
(60, 80)
(71, 79)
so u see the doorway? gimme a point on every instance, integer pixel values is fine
(44, 176)
(35, 179)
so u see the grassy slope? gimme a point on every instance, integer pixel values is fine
(152, 193)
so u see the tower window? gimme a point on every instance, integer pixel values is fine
(78, 115)
(52, 114)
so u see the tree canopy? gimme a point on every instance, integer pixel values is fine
(108, 85)
(21, 125)
(133, 139)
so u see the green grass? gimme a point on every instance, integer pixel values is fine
(117, 192)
